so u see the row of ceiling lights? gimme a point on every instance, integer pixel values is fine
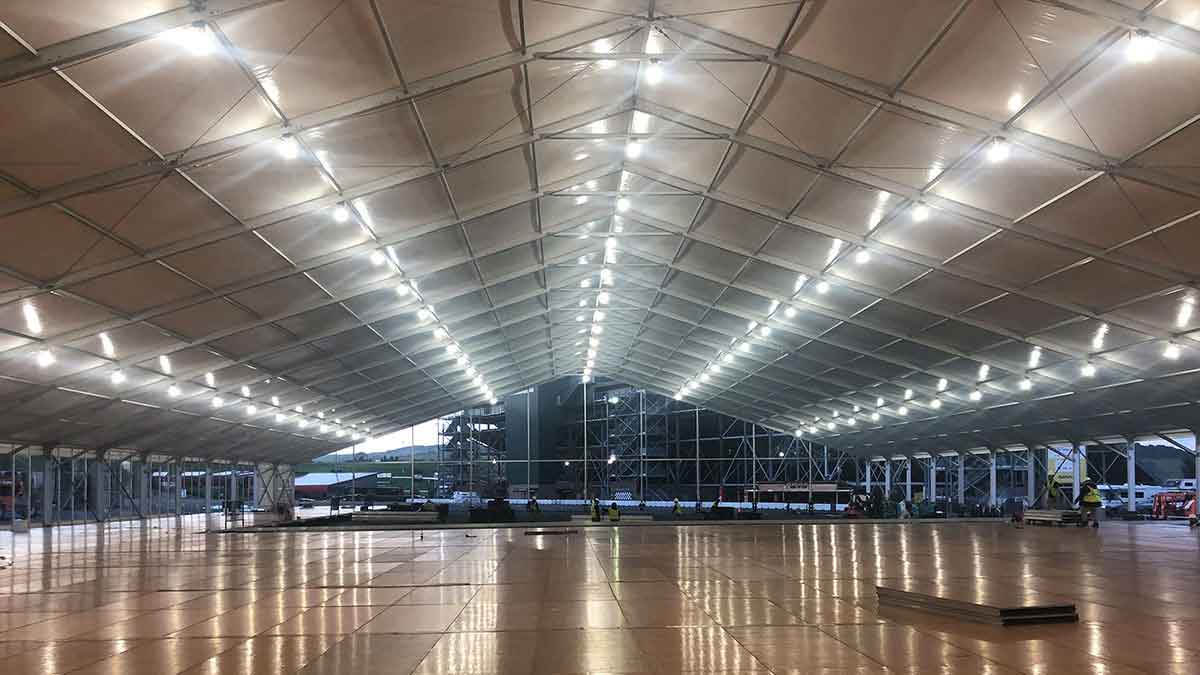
(1088, 369)
(598, 303)
(45, 358)
(200, 41)
(341, 213)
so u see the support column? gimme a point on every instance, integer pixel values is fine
(584, 397)
(233, 481)
(141, 481)
(177, 487)
(868, 481)
(962, 478)
(99, 485)
(931, 479)
(887, 478)
(991, 478)
(1131, 477)
(1030, 476)
(1074, 471)
(49, 486)
(207, 493)
(1051, 475)
(697, 412)
(908, 479)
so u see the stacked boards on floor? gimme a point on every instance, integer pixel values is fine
(967, 611)
(1051, 517)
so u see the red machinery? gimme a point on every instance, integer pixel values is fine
(1174, 505)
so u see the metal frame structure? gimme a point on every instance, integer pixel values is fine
(386, 379)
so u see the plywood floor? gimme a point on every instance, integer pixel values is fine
(162, 599)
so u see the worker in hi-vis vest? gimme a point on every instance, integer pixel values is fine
(1090, 502)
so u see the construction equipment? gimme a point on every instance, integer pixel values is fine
(1174, 504)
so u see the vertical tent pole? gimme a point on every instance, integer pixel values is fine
(908, 478)
(697, 411)
(887, 478)
(585, 442)
(1030, 476)
(991, 478)
(1131, 477)
(962, 478)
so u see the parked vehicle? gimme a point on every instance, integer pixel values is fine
(1116, 497)
(1180, 484)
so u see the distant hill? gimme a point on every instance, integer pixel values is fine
(421, 453)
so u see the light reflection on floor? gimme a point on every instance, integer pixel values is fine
(776, 598)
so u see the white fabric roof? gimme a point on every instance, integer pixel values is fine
(904, 192)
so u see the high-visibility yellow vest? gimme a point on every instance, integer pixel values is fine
(1091, 497)
(614, 514)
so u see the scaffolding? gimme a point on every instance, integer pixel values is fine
(472, 455)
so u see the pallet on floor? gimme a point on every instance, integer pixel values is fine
(1051, 517)
(968, 611)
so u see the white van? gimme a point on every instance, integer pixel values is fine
(1180, 484)
(1117, 496)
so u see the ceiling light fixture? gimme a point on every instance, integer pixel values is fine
(998, 151)
(106, 344)
(173, 391)
(1171, 351)
(32, 320)
(920, 213)
(217, 401)
(975, 395)
(789, 312)
(822, 287)
(251, 409)
(1026, 383)
(402, 290)
(935, 403)
(341, 214)
(1035, 357)
(117, 377)
(633, 150)
(210, 379)
(289, 147)
(984, 369)
(1098, 338)
(862, 257)
(1142, 48)
(245, 391)
(1187, 307)
(196, 38)
(654, 73)
(902, 410)
(623, 204)
(874, 417)
(1088, 369)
